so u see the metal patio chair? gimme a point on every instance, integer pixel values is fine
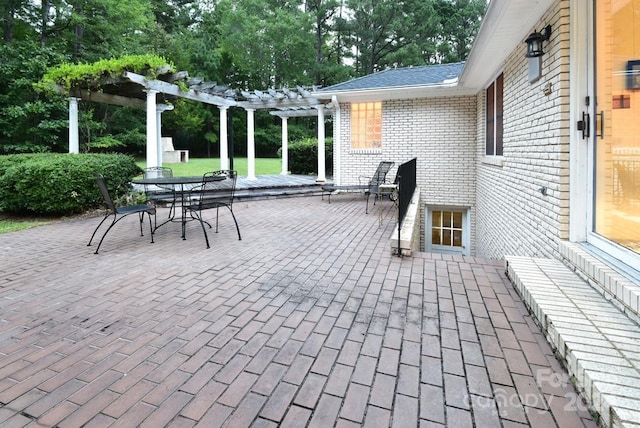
(216, 191)
(119, 213)
(372, 187)
(159, 195)
(379, 177)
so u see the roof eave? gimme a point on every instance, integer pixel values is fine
(505, 26)
(396, 93)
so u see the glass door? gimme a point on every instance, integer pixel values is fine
(616, 140)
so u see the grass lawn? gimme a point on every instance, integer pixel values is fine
(13, 225)
(198, 166)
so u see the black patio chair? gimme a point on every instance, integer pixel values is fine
(216, 191)
(370, 187)
(378, 178)
(119, 213)
(157, 194)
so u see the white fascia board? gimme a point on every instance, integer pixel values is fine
(506, 24)
(397, 93)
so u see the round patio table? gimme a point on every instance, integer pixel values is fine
(177, 185)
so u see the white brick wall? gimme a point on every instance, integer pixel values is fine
(440, 133)
(508, 213)
(514, 217)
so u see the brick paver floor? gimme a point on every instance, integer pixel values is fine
(308, 321)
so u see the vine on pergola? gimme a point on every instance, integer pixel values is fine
(128, 76)
(68, 76)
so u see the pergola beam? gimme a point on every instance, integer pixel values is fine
(171, 89)
(279, 103)
(119, 100)
(300, 112)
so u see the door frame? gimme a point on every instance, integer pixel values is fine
(582, 151)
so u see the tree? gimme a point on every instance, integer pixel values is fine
(329, 51)
(397, 33)
(19, 19)
(385, 33)
(459, 23)
(264, 43)
(243, 44)
(29, 122)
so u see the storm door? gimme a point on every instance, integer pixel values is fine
(615, 137)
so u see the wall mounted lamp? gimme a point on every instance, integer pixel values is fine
(534, 42)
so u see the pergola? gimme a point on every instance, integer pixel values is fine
(155, 95)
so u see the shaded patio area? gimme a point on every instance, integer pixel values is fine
(308, 321)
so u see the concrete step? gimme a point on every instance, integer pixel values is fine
(597, 341)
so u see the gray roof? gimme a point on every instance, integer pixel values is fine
(398, 77)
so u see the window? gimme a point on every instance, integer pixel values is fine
(447, 231)
(366, 125)
(494, 117)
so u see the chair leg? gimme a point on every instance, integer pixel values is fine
(184, 223)
(113, 223)
(141, 218)
(236, 222)
(150, 225)
(172, 208)
(115, 220)
(204, 230)
(96, 229)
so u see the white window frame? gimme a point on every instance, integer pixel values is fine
(446, 249)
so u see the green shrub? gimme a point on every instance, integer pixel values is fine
(61, 184)
(303, 156)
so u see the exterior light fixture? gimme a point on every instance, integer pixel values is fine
(534, 42)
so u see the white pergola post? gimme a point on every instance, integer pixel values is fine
(224, 142)
(337, 140)
(74, 140)
(321, 159)
(160, 108)
(285, 147)
(152, 129)
(159, 134)
(251, 146)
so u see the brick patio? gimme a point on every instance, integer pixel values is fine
(308, 321)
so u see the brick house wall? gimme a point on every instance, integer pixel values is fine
(513, 216)
(508, 213)
(439, 132)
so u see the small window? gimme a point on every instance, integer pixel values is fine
(447, 231)
(494, 112)
(366, 125)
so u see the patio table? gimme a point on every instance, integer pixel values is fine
(179, 185)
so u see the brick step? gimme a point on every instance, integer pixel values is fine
(614, 284)
(599, 343)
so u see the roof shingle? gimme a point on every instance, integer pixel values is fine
(398, 77)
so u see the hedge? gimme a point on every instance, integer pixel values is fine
(61, 184)
(303, 156)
